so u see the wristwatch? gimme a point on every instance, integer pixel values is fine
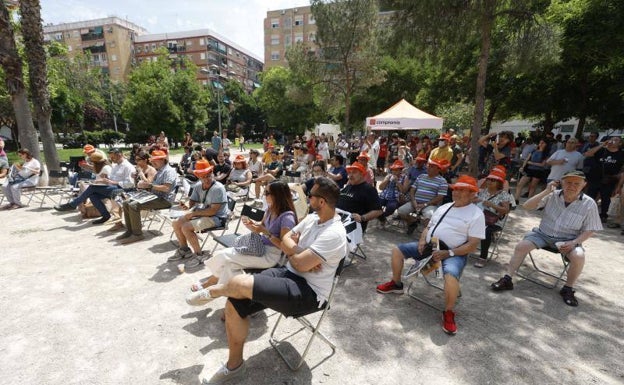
(451, 253)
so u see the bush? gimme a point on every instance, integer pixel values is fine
(137, 137)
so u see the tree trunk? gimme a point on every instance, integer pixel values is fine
(37, 70)
(487, 20)
(581, 126)
(12, 65)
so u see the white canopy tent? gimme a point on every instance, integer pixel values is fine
(403, 116)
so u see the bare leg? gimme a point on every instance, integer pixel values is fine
(451, 291)
(236, 329)
(189, 235)
(521, 183)
(177, 229)
(533, 186)
(520, 252)
(577, 261)
(240, 287)
(397, 264)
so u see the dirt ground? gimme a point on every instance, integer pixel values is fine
(77, 308)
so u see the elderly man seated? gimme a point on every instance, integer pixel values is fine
(569, 219)
(459, 226)
(314, 248)
(359, 197)
(208, 204)
(121, 177)
(163, 189)
(25, 174)
(427, 192)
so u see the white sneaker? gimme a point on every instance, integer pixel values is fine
(224, 375)
(199, 297)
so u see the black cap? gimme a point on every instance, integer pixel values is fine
(114, 150)
(576, 173)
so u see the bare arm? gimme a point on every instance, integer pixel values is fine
(533, 202)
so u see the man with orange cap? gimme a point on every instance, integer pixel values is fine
(427, 192)
(364, 159)
(209, 209)
(459, 226)
(358, 197)
(86, 165)
(164, 194)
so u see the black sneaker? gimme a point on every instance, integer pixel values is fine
(64, 207)
(101, 220)
(567, 293)
(503, 284)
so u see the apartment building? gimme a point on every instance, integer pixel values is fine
(224, 59)
(108, 42)
(284, 28)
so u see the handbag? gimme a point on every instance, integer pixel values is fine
(428, 249)
(490, 218)
(249, 244)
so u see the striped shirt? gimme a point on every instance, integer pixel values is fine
(428, 188)
(560, 221)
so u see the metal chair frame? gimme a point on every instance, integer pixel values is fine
(314, 328)
(227, 240)
(557, 275)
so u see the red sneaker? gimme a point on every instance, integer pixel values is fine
(449, 325)
(390, 287)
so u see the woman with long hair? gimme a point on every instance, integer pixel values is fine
(278, 220)
(495, 200)
(535, 170)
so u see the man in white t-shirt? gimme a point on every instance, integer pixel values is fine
(565, 160)
(314, 248)
(459, 227)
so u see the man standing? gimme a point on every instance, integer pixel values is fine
(314, 249)
(358, 197)
(569, 219)
(209, 209)
(216, 142)
(121, 177)
(564, 160)
(162, 187)
(604, 177)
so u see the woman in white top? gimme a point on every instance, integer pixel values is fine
(256, 168)
(21, 175)
(323, 148)
(162, 141)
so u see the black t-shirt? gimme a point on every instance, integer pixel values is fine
(612, 162)
(359, 199)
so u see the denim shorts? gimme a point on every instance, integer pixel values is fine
(451, 265)
(543, 241)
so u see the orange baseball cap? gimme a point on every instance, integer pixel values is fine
(202, 168)
(356, 166)
(88, 149)
(466, 182)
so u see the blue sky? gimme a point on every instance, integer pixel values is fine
(239, 20)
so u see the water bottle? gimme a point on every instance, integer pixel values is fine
(437, 265)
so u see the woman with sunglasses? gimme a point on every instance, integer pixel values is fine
(278, 220)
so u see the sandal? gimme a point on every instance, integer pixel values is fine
(480, 263)
(568, 296)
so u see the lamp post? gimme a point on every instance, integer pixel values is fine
(206, 71)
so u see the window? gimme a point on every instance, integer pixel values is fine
(274, 23)
(76, 33)
(153, 47)
(59, 36)
(202, 42)
(113, 57)
(287, 22)
(189, 43)
(299, 20)
(299, 37)
(311, 19)
(287, 40)
(275, 40)
(138, 49)
(275, 55)
(202, 56)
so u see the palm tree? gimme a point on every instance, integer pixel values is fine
(12, 65)
(32, 33)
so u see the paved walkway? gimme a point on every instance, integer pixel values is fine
(79, 309)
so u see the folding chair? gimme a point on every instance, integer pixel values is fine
(227, 240)
(231, 206)
(310, 326)
(300, 201)
(293, 176)
(62, 190)
(557, 275)
(429, 282)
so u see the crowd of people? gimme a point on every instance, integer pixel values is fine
(415, 181)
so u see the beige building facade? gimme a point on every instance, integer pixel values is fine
(108, 42)
(224, 59)
(284, 28)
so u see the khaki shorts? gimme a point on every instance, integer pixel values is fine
(203, 223)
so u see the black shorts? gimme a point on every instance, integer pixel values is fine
(280, 290)
(539, 174)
